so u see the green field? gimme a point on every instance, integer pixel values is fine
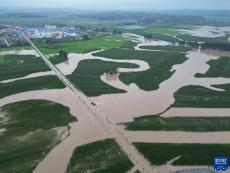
(218, 68)
(84, 46)
(128, 45)
(56, 19)
(191, 154)
(200, 97)
(168, 48)
(38, 83)
(160, 63)
(30, 133)
(158, 36)
(15, 48)
(192, 124)
(163, 30)
(87, 76)
(166, 33)
(15, 66)
(99, 157)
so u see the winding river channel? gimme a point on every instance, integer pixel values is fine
(126, 106)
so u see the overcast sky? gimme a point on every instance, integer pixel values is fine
(120, 4)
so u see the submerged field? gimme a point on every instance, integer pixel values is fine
(200, 97)
(87, 76)
(160, 63)
(37, 83)
(189, 124)
(31, 130)
(218, 68)
(15, 66)
(168, 48)
(99, 157)
(168, 33)
(190, 154)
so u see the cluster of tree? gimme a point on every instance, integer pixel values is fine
(147, 18)
(216, 45)
(160, 36)
(114, 71)
(56, 40)
(2, 45)
(63, 55)
(24, 15)
(170, 19)
(18, 43)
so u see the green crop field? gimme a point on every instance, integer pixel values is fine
(128, 45)
(191, 154)
(37, 83)
(15, 66)
(200, 97)
(218, 68)
(192, 124)
(99, 157)
(160, 63)
(55, 19)
(85, 45)
(168, 48)
(87, 76)
(15, 48)
(30, 133)
(172, 30)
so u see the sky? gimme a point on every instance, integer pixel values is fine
(119, 4)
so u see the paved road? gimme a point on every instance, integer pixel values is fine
(115, 131)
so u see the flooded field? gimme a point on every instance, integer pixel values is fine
(197, 112)
(61, 154)
(137, 102)
(124, 107)
(207, 31)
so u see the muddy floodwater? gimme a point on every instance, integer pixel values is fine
(197, 112)
(136, 102)
(57, 160)
(207, 31)
(124, 107)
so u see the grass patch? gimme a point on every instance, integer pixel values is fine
(168, 48)
(15, 66)
(4, 49)
(85, 45)
(87, 76)
(128, 45)
(56, 59)
(38, 83)
(92, 49)
(30, 133)
(191, 154)
(161, 36)
(192, 124)
(200, 97)
(218, 68)
(160, 63)
(99, 157)
(162, 33)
